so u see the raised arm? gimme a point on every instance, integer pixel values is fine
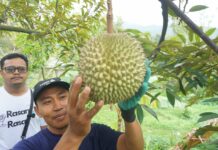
(79, 118)
(133, 137)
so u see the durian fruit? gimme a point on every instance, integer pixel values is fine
(113, 66)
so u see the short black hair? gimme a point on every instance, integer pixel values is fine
(12, 56)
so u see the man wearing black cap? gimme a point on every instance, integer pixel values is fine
(69, 122)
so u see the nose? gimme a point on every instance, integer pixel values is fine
(16, 71)
(57, 105)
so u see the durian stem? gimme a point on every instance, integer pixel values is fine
(119, 120)
(109, 17)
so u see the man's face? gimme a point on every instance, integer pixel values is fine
(14, 71)
(52, 107)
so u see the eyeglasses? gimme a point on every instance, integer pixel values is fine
(12, 69)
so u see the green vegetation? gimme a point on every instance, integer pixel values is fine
(174, 124)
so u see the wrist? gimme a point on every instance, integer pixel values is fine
(128, 115)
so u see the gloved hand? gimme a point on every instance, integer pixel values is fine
(127, 107)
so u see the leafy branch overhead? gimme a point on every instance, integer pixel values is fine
(192, 25)
(187, 20)
(43, 17)
(51, 26)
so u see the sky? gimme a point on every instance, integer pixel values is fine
(149, 12)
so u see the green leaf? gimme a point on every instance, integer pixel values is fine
(182, 37)
(150, 111)
(171, 12)
(190, 36)
(192, 100)
(207, 116)
(210, 31)
(200, 78)
(206, 113)
(204, 129)
(170, 96)
(134, 31)
(140, 114)
(154, 97)
(199, 81)
(197, 38)
(209, 100)
(191, 84)
(181, 87)
(197, 8)
(171, 43)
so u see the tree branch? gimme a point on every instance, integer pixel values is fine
(192, 25)
(54, 20)
(28, 31)
(17, 29)
(164, 29)
(109, 17)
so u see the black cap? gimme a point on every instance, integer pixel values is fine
(42, 85)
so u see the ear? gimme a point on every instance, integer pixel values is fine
(37, 111)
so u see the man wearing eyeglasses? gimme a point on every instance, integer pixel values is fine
(15, 100)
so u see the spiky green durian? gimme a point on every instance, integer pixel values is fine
(113, 66)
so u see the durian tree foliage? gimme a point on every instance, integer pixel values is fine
(186, 65)
(50, 28)
(186, 69)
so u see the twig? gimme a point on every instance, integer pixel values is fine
(164, 29)
(54, 21)
(192, 25)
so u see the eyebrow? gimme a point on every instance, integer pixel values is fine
(43, 98)
(62, 91)
(15, 66)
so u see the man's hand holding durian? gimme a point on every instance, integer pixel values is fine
(133, 133)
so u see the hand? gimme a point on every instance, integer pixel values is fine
(79, 117)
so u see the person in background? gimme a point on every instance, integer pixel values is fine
(15, 101)
(69, 124)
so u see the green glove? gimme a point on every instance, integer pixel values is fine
(127, 107)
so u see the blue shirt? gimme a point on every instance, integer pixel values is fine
(101, 137)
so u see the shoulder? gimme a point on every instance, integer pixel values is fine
(29, 143)
(43, 140)
(2, 89)
(36, 141)
(4, 93)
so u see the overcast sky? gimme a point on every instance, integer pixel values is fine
(149, 12)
